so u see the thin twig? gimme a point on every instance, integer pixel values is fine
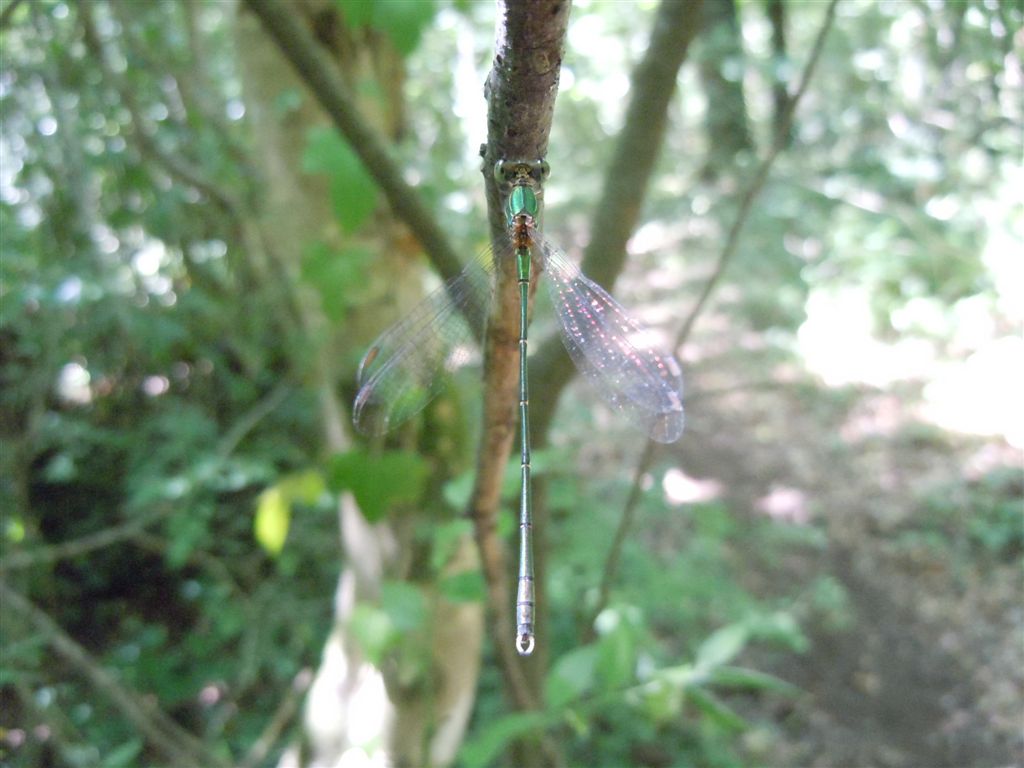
(728, 251)
(178, 745)
(280, 721)
(757, 183)
(251, 418)
(131, 529)
(525, 138)
(86, 544)
(653, 84)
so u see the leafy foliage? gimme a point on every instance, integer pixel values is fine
(378, 482)
(352, 190)
(155, 376)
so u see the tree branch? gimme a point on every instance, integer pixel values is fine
(750, 194)
(521, 91)
(179, 746)
(643, 132)
(251, 418)
(757, 183)
(8, 13)
(326, 84)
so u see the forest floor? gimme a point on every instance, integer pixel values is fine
(920, 662)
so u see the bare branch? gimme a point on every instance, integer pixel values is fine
(86, 544)
(280, 721)
(251, 418)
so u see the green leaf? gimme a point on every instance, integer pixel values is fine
(373, 630)
(662, 700)
(723, 646)
(378, 482)
(457, 491)
(447, 539)
(617, 657)
(716, 709)
(273, 515)
(123, 755)
(186, 533)
(403, 21)
(287, 101)
(356, 13)
(404, 605)
(324, 153)
(482, 750)
(750, 679)
(464, 587)
(354, 196)
(778, 627)
(353, 192)
(14, 530)
(572, 675)
(338, 276)
(303, 487)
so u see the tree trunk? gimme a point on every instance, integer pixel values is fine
(721, 74)
(354, 708)
(780, 71)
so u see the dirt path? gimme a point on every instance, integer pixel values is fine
(930, 671)
(885, 692)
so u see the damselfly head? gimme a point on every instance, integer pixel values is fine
(521, 171)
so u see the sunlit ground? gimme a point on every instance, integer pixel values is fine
(975, 386)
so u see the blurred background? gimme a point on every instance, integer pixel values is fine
(826, 570)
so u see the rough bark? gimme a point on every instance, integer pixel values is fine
(721, 75)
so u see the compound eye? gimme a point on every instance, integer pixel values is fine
(500, 172)
(543, 169)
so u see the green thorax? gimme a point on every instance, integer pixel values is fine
(522, 200)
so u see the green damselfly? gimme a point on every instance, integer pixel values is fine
(403, 369)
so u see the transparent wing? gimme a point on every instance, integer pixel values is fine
(402, 370)
(613, 350)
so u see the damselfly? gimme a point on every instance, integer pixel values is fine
(402, 370)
